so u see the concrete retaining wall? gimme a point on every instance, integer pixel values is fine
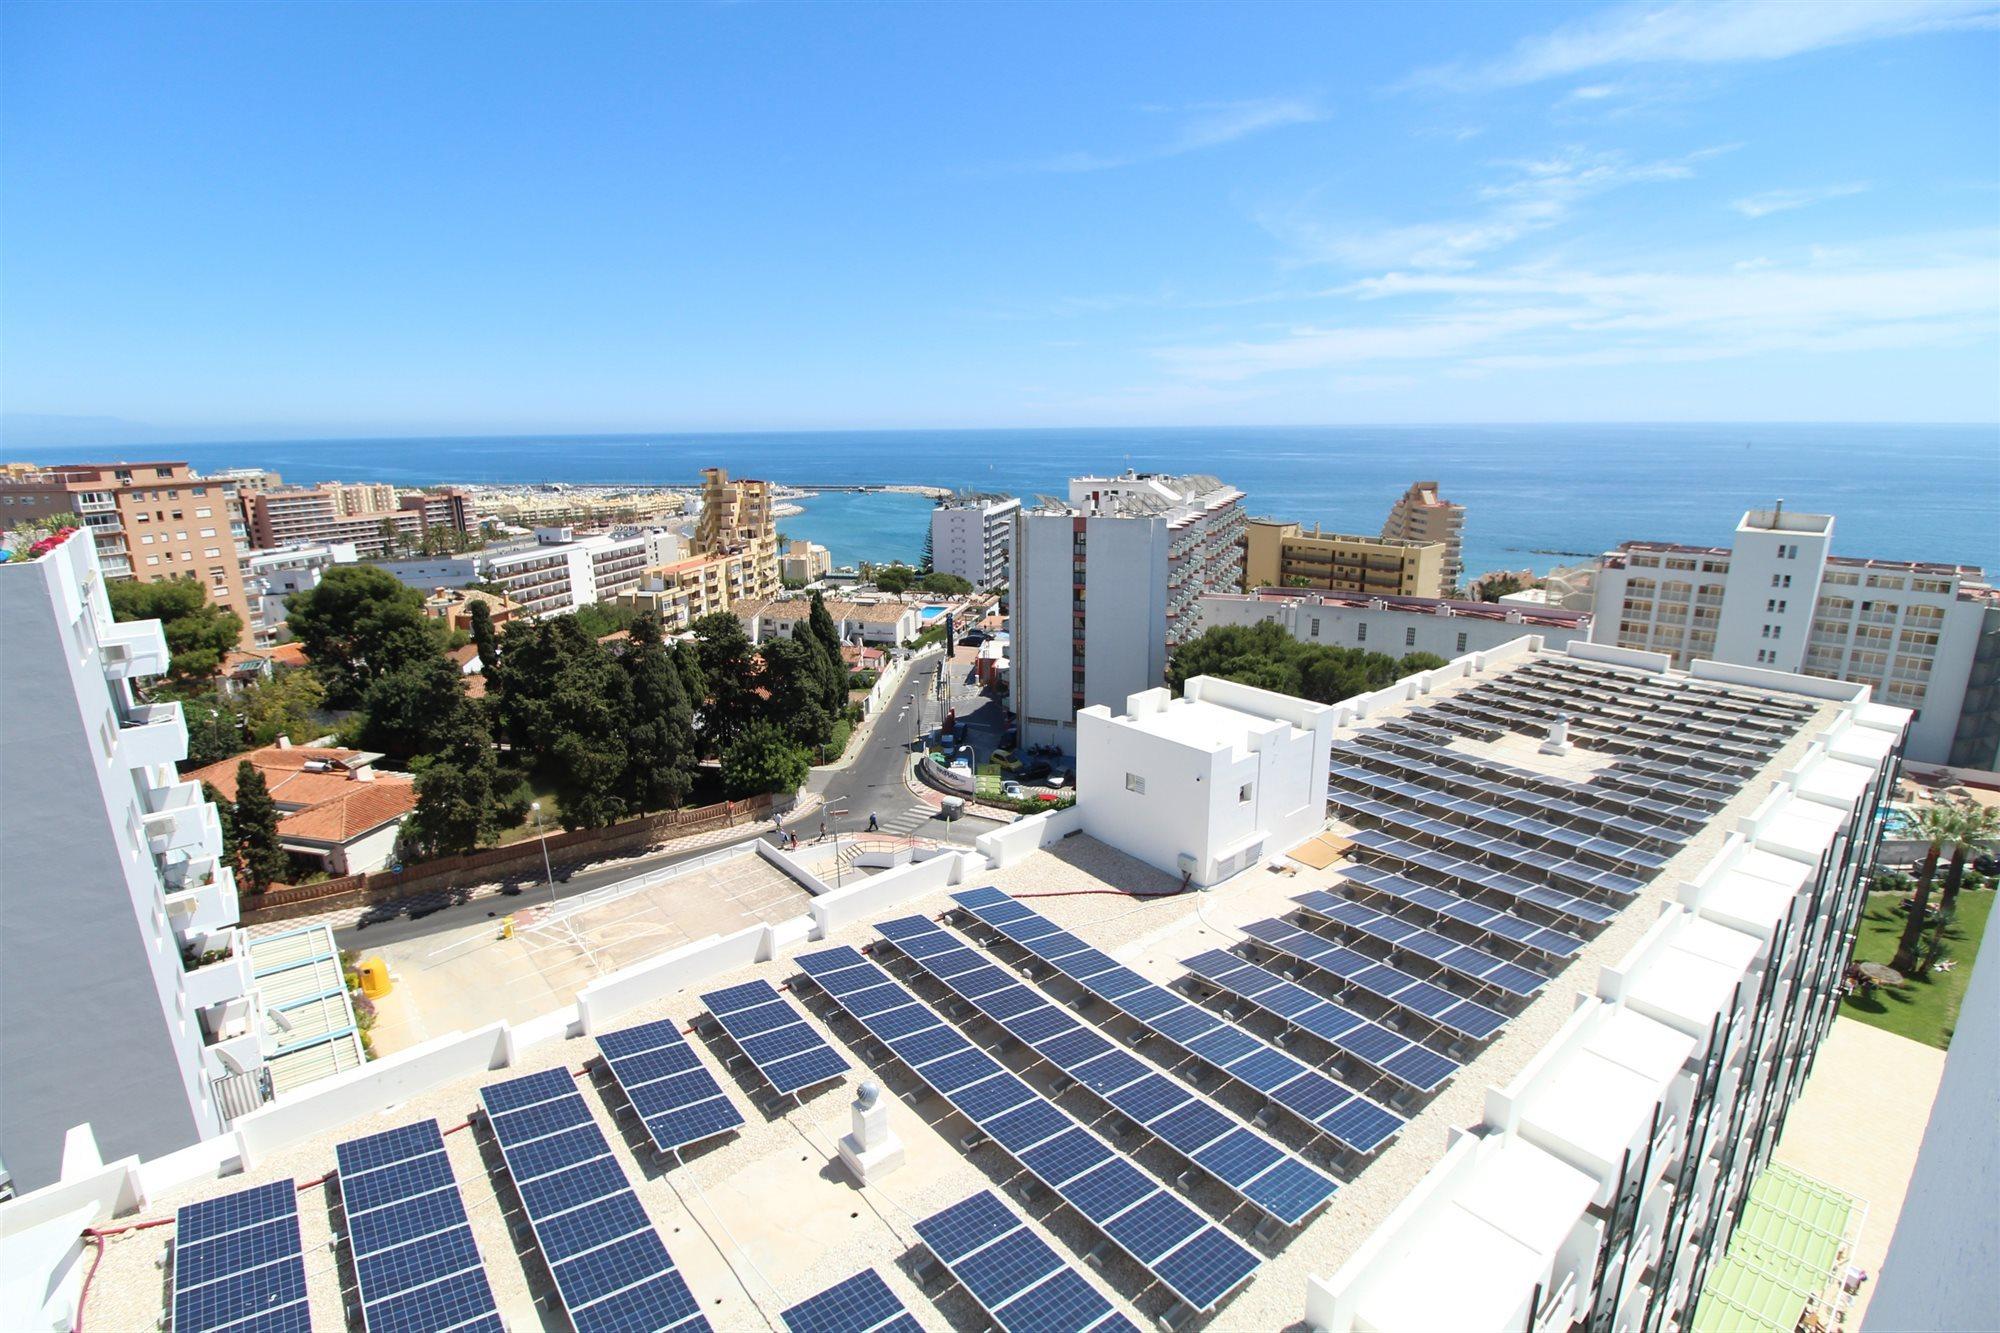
(878, 894)
(600, 1003)
(1007, 846)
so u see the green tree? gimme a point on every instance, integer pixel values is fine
(1493, 589)
(284, 705)
(1976, 827)
(458, 790)
(567, 709)
(793, 677)
(487, 641)
(410, 708)
(894, 578)
(729, 671)
(598, 619)
(358, 625)
(764, 758)
(1265, 656)
(687, 661)
(215, 732)
(660, 741)
(1937, 825)
(945, 585)
(198, 631)
(260, 858)
(824, 635)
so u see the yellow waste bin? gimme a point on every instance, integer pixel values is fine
(507, 926)
(374, 978)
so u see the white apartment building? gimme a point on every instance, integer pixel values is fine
(127, 996)
(1396, 626)
(558, 573)
(973, 537)
(804, 562)
(1922, 636)
(1105, 585)
(271, 576)
(1206, 786)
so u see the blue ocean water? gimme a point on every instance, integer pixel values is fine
(1533, 493)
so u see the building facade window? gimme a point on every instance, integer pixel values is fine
(1135, 784)
(1410, 637)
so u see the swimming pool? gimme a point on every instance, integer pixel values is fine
(933, 612)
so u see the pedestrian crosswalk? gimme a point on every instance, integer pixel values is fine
(913, 820)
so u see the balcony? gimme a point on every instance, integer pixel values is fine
(200, 897)
(153, 734)
(178, 819)
(134, 648)
(216, 969)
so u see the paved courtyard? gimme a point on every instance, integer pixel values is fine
(474, 974)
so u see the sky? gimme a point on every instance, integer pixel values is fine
(260, 221)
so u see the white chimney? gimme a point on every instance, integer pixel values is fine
(284, 742)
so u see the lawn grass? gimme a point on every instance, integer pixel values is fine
(1926, 1009)
(551, 815)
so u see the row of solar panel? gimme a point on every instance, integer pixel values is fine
(1635, 717)
(239, 1263)
(1350, 967)
(1720, 747)
(1393, 752)
(1462, 870)
(1470, 842)
(1455, 956)
(1662, 702)
(1480, 812)
(1724, 697)
(1256, 1170)
(1353, 1121)
(1191, 1257)
(416, 1265)
(1448, 906)
(1421, 731)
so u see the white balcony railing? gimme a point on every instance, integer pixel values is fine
(178, 819)
(154, 734)
(134, 648)
(200, 898)
(220, 979)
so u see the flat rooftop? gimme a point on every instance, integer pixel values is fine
(764, 1217)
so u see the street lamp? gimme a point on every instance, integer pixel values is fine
(535, 808)
(833, 817)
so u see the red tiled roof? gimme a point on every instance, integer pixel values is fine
(364, 807)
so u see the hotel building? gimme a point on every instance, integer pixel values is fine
(736, 519)
(1420, 514)
(1921, 636)
(121, 908)
(1277, 554)
(269, 577)
(1397, 626)
(1105, 585)
(972, 536)
(149, 521)
(337, 513)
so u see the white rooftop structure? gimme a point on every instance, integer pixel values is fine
(1500, 1035)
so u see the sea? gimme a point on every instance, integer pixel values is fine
(1535, 496)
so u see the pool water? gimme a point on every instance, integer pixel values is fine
(932, 612)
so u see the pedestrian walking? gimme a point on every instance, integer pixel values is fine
(822, 830)
(873, 823)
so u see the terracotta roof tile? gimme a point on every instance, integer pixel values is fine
(364, 807)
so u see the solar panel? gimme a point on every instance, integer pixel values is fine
(1339, 1112)
(788, 1051)
(239, 1257)
(862, 1304)
(670, 1090)
(415, 1262)
(1166, 1109)
(610, 1268)
(1481, 876)
(1448, 905)
(1446, 1010)
(1013, 1274)
(1474, 843)
(1402, 1058)
(876, 1001)
(1452, 955)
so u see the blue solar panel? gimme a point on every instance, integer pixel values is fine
(610, 1269)
(1066, 1156)
(843, 974)
(1238, 1054)
(788, 1051)
(1011, 1272)
(240, 1256)
(674, 1095)
(862, 1304)
(1398, 988)
(415, 1262)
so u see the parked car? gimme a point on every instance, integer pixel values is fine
(1013, 791)
(1036, 771)
(1058, 778)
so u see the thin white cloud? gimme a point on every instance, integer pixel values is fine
(1204, 125)
(1709, 32)
(1537, 194)
(1535, 318)
(1783, 201)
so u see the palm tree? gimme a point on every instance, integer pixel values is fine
(1937, 825)
(1977, 826)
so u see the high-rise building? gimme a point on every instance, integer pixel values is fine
(1923, 636)
(1395, 626)
(1278, 554)
(972, 536)
(1106, 584)
(736, 519)
(1420, 514)
(149, 521)
(239, 484)
(127, 998)
(330, 514)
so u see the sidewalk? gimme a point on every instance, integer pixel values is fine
(857, 741)
(934, 798)
(349, 916)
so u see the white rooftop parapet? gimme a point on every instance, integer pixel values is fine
(1686, 973)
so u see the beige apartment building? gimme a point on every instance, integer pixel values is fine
(330, 513)
(149, 521)
(1278, 554)
(736, 519)
(1422, 515)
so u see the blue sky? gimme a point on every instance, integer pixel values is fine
(248, 220)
